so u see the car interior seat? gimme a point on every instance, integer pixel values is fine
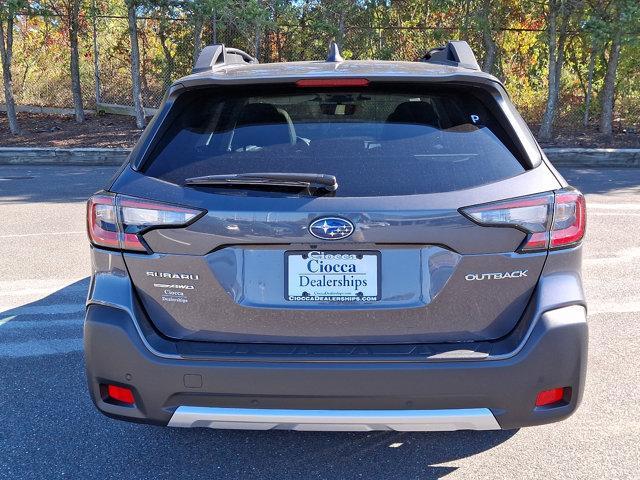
(413, 116)
(262, 125)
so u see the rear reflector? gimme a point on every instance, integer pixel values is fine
(551, 220)
(553, 396)
(332, 82)
(118, 221)
(120, 394)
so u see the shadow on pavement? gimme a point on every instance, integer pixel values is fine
(53, 430)
(51, 184)
(602, 180)
(62, 302)
(388, 455)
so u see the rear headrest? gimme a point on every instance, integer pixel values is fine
(409, 120)
(420, 113)
(277, 127)
(259, 114)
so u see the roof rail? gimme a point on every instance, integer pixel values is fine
(456, 53)
(217, 55)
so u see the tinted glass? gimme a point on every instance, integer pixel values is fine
(375, 141)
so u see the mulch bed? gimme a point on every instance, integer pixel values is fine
(589, 137)
(40, 130)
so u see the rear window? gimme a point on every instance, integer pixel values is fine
(376, 141)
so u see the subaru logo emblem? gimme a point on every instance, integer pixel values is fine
(331, 228)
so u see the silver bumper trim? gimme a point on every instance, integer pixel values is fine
(335, 420)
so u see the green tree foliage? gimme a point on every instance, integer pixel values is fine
(564, 61)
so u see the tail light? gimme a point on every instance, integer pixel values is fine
(551, 220)
(116, 221)
(569, 219)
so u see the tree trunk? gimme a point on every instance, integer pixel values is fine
(96, 57)
(143, 41)
(135, 66)
(608, 91)
(76, 88)
(556, 58)
(490, 46)
(170, 63)
(197, 38)
(6, 52)
(341, 29)
(562, 40)
(257, 41)
(491, 51)
(214, 29)
(465, 18)
(547, 119)
(587, 97)
(276, 22)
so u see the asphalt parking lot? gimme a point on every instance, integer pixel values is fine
(49, 428)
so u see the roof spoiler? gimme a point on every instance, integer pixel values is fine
(456, 53)
(217, 55)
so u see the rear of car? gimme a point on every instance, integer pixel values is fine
(370, 246)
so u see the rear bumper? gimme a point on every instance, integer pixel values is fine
(335, 420)
(487, 393)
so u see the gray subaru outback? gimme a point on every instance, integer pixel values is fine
(337, 245)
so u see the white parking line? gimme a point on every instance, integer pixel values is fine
(41, 234)
(46, 309)
(614, 206)
(49, 346)
(39, 293)
(7, 324)
(611, 307)
(627, 255)
(27, 283)
(7, 319)
(613, 214)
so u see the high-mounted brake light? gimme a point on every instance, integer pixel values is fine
(118, 221)
(332, 82)
(551, 220)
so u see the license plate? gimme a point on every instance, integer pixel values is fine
(332, 276)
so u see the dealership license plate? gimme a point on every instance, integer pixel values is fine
(332, 276)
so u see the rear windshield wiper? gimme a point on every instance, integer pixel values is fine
(296, 180)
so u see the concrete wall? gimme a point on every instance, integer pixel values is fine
(578, 157)
(62, 156)
(594, 157)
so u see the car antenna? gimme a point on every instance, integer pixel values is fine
(334, 53)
